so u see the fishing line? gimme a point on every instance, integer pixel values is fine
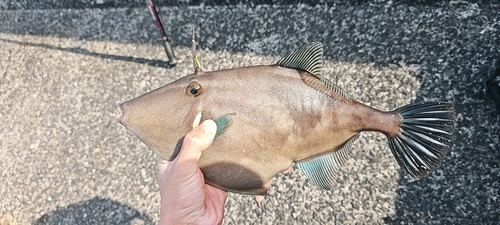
(166, 39)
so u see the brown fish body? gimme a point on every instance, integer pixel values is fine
(280, 115)
(279, 120)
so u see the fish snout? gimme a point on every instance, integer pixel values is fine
(120, 114)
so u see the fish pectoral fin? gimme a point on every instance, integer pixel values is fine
(322, 170)
(308, 58)
(223, 123)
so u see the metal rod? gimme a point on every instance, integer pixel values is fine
(166, 41)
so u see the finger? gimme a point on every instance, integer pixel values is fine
(194, 142)
(161, 161)
(161, 167)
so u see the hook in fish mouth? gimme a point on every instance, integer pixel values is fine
(197, 120)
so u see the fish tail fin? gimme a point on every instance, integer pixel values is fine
(424, 138)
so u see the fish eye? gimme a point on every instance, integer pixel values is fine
(193, 89)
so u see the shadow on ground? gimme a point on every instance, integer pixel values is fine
(95, 211)
(80, 4)
(467, 185)
(149, 62)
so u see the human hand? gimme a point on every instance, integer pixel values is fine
(185, 198)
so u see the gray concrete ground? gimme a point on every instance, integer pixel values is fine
(63, 70)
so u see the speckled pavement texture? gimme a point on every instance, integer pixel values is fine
(64, 68)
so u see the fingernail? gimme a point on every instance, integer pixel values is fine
(207, 127)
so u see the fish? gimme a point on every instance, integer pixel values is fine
(270, 117)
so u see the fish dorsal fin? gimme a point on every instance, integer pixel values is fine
(322, 170)
(324, 86)
(308, 58)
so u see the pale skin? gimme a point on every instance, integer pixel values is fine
(185, 197)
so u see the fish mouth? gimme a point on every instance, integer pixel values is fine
(119, 115)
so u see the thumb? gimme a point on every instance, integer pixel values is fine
(193, 143)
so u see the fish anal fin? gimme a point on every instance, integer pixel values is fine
(308, 58)
(223, 123)
(323, 170)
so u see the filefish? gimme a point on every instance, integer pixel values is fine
(271, 116)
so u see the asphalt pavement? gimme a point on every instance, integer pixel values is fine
(65, 67)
